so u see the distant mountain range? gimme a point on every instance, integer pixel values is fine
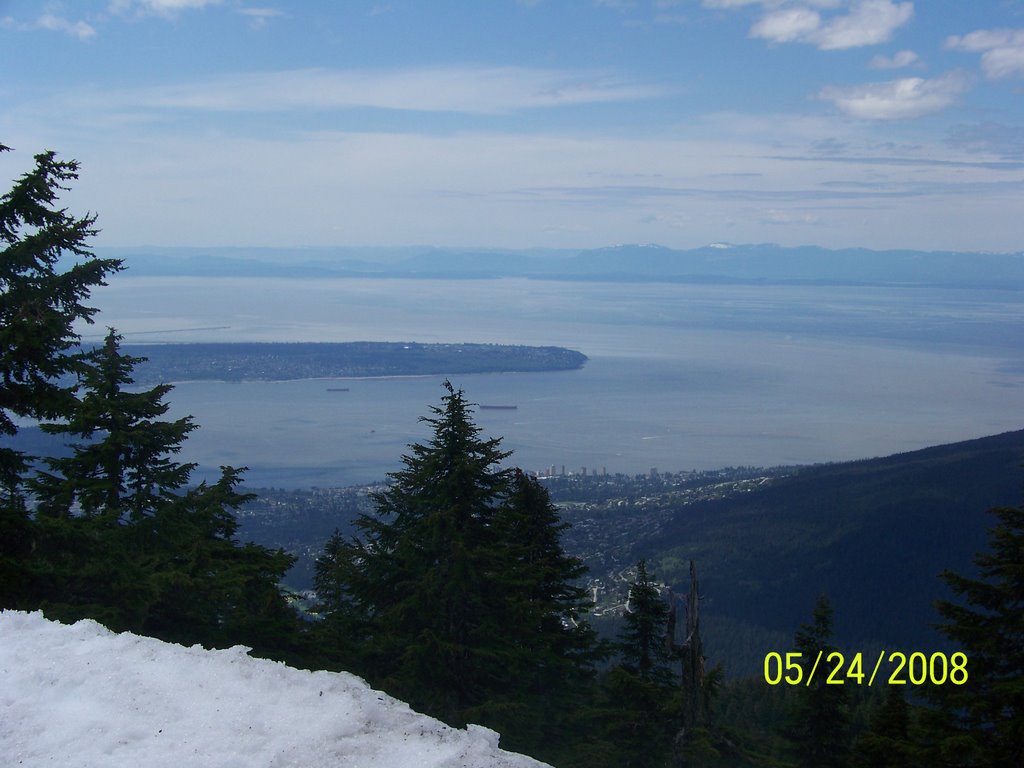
(762, 263)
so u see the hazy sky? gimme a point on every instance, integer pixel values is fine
(569, 123)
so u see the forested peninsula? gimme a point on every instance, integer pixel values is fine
(359, 359)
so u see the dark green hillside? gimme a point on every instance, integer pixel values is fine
(872, 534)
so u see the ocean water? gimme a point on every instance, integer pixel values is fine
(679, 377)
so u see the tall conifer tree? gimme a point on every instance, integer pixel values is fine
(418, 572)
(121, 539)
(458, 589)
(114, 535)
(887, 742)
(552, 647)
(124, 468)
(120, 472)
(46, 274)
(642, 690)
(980, 722)
(818, 725)
(645, 649)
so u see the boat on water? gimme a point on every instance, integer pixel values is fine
(337, 389)
(498, 407)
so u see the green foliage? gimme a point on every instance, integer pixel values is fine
(637, 710)
(124, 469)
(108, 532)
(424, 570)
(887, 743)
(39, 305)
(120, 540)
(643, 643)
(641, 719)
(818, 723)
(543, 616)
(210, 588)
(748, 712)
(456, 594)
(982, 721)
(342, 634)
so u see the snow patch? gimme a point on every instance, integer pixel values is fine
(83, 696)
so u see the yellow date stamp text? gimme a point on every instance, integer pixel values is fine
(917, 668)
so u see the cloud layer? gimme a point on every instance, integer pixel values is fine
(869, 22)
(1002, 50)
(900, 99)
(489, 90)
(611, 127)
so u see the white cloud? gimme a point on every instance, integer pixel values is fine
(901, 99)
(776, 216)
(671, 18)
(787, 26)
(165, 8)
(730, 3)
(897, 61)
(53, 23)
(259, 16)
(261, 13)
(869, 22)
(476, 91)
(79, 29)
(237, 184)
(1002, 50)
(515, 190)
(986, 39)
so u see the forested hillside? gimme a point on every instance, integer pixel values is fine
(872, 534)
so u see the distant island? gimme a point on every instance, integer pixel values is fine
(359, 359)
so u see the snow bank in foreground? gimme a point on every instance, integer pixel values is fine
(83, 696)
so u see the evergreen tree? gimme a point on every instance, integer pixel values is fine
(457, 591)
(641, 709)
(121, 472)
(819, 721)
(125, 469)
(887, 742)
(120, 538)
(643, 642)
(418, 573)
(208, 587)
(553, 647)
(981, 722)
(113, 535)
(46, 274)
(341, 634)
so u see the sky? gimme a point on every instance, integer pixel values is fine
(526, 123)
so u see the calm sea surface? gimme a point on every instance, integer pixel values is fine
(679, 376)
